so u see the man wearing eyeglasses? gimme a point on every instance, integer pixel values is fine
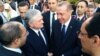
(90, 36)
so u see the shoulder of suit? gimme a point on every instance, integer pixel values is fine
(15, 18)
(46, 13)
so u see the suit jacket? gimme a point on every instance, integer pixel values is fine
(34, 45)
(5, 52)
(98, 10)
(19, 19)
(71, 45)
(82, 20)
(46, 18)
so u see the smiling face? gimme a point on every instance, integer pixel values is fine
(63, 14)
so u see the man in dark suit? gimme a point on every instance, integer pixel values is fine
(12, 37)
(81, 10)
(34, 4)
(65, 40)
(37, 41)
(50, 16)
(23, 8)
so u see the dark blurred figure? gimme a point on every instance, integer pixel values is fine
(90, 35)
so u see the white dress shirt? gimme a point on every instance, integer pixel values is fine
(51, 16)
(66, 24)
(18, 50)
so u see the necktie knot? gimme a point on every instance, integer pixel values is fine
(78, 19)
(39, 33)
(63, 29)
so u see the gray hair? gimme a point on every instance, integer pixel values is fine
(10, 31)
(32, 15)
(66, 4)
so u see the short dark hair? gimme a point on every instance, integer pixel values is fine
(84, 2)
(23, 3)
(93, 28)
(9, 32)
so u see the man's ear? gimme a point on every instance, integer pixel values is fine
(96, 40)
(15, 41)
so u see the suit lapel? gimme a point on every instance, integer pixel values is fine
(45, 36)
(69, 30)
(37, 41)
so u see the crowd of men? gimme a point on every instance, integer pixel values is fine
(49, 28)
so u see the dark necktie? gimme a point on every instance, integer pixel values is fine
(78, 19)
(53, 18)
(63, 32)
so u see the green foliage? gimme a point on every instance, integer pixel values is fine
(97, 1)
(73, 1)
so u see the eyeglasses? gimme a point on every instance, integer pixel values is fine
(81, 33)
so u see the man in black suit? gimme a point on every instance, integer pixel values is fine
(50, 16)
(12, 37)
(37, 41)
(65, 40)
(23, 8)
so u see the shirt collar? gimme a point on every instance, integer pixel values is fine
(67, 23)
(13, 49)
(35, 30)
(80, 17)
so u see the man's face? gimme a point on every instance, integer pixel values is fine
(32, 2)
(52, 5)
(90, 12)
(81, 8)
(85, 40)
(23, 10)
(1, 8)
(63, 14)
(37, 23)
